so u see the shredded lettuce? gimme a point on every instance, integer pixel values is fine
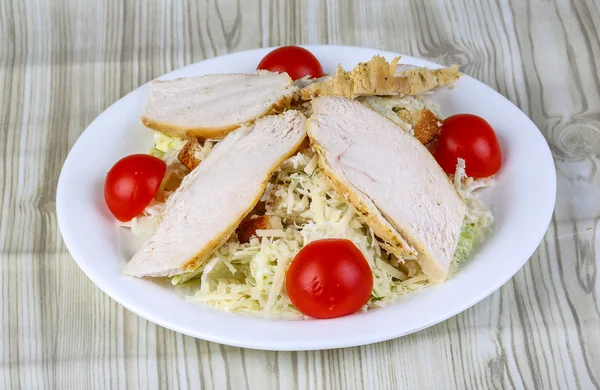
(479, 218)
(469, 235)
(164, 143)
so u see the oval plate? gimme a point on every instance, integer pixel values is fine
(522, 201)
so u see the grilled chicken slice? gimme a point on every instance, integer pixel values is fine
(216, 196)
(211, 106)
(378, 77)
(391, 179)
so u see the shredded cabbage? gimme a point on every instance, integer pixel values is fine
(145, 224)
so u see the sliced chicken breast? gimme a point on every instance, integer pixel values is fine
(391, 179)
(211, 106)
(216, 196)
(378, 77)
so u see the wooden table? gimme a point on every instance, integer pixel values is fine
(63, 62)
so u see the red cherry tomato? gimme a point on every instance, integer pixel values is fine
(132, 183)
(296, 61)
(471, 138)
(329, 278)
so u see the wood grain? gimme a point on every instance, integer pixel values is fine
(63, 62)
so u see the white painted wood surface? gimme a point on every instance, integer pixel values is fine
(63, 62)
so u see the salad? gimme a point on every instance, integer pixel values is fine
(312, 243)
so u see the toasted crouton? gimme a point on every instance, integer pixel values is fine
(427, 127)
(188, 154)
(249, 226)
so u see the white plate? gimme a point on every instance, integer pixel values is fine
(522, 201)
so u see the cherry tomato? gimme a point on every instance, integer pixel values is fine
(132, 183)
(329, 278)
(471, 138)
(296, 61)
